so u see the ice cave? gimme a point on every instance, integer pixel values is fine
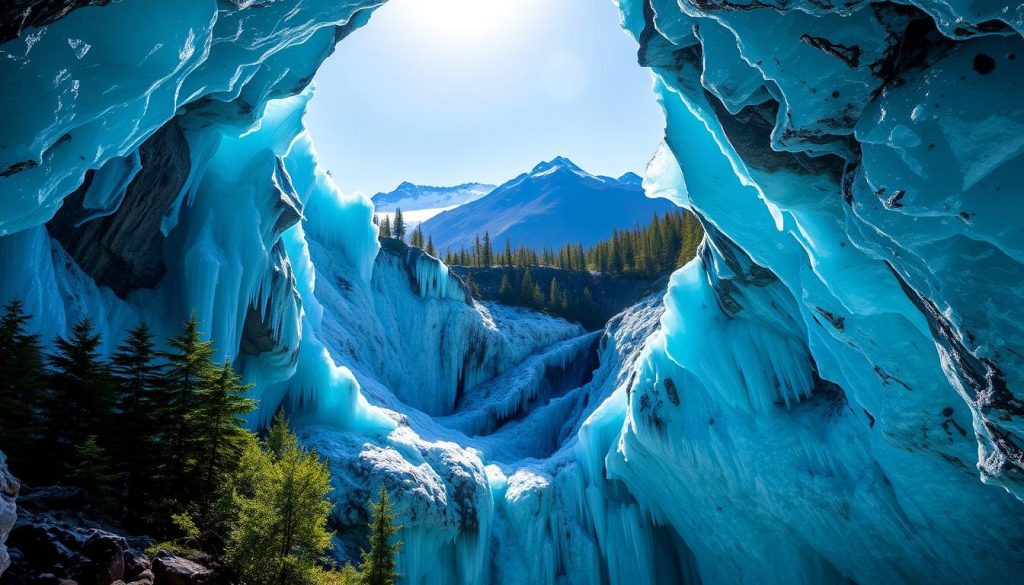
(831, 392)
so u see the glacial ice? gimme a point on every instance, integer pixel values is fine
(828, 393)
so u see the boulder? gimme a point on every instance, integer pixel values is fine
(144, 578)
(136, 564)
(173, 570)
(100, 560)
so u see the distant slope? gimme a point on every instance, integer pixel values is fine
(554, 204)
(420, 202)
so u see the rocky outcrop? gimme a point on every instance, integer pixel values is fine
(56, 540)
(423, 282)
(124, 249)
(8, 510)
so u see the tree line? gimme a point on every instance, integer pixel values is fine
(397, 229)
(157, 440)
(519, 287)
(668, 242)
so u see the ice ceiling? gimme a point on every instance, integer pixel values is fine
(831, 392)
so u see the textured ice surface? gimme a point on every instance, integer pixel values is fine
(830, 392)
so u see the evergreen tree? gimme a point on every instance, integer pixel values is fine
(279, 436)
(527, 286)
(430, 246)
(417, 236)
(139, 393)
(21, 386)
(90, 470)
(281, 533)
(82, 389)
(507, 259)
(385, 227)
(474, 288)
(399, 225)
(553, 293)
(221, 436)
(505, 293)
(379, 563)
(487, 251)
(190, 373)
(536, 297)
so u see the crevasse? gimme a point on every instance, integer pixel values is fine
(828, 393)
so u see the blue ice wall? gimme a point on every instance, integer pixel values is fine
(835, 390)
(829, 392)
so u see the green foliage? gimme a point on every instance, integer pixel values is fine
(21, 385)
(505, 293)
(379, 565)
(417, 236)
(486, 251)
(280, 436)
(174, 421)
(187, 541)
(430, 246)
(385, 227)
(399, 227)
(189, 374)
(90, 470)
(139, 392)
(650, 252)
(667, 243)
(221, 438)
(281, 533)
(81, 398)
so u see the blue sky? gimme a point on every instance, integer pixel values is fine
(442, 92)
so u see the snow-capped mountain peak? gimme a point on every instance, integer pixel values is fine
(556, 164)
(556, 203)
(421, 202)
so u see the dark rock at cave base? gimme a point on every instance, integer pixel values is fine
(58, 540)
(100, 560)
(173, 570)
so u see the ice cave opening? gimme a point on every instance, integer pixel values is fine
(828, 393)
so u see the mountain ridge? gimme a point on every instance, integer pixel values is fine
(555, 203)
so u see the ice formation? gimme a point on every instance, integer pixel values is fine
(829, 393)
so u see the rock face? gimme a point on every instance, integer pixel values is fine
(123, 248)
(8, 509)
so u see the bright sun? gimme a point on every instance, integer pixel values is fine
(457, 21)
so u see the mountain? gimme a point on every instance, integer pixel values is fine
(555, 203)
(421, 202)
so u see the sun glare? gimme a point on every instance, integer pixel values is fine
(460, 21)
